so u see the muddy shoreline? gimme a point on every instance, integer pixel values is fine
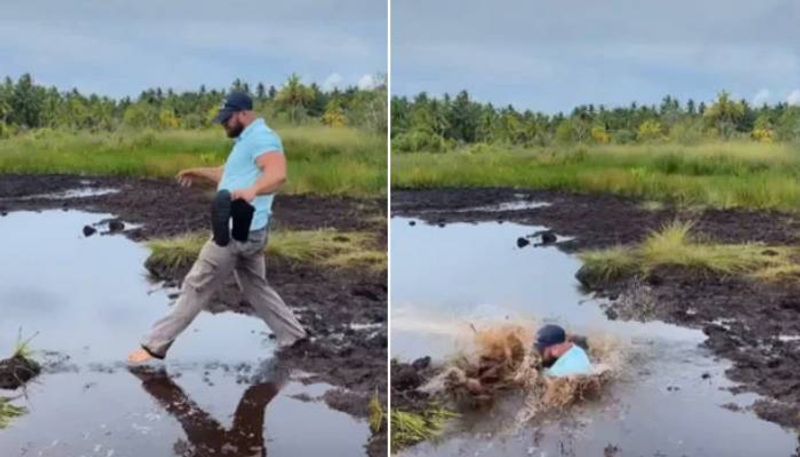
(329, 302)
(752, 324)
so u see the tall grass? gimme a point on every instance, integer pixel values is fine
(328, 248)
(322, 160)
(410, 428)
(674, 245)
(721, 175)
(9, 412)
(377, 415)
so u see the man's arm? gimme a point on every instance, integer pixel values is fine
(273, 166)
(211, 174)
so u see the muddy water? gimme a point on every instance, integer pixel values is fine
(89, 302)
(668, 400)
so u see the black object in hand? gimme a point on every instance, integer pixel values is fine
(220, 215)
(242, 214)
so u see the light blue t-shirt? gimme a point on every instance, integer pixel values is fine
(573, 362)
(241, 170)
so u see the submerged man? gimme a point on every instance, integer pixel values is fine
(254, 171)
(562, 355)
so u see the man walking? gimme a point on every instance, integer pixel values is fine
(254, 171)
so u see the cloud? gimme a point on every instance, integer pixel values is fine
(121, 48)
(333, 81)
(794, 98)
(551, 56)
(761, 97)
(367, 82)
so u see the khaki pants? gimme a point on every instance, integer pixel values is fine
(212, 268)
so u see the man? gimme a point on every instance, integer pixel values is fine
(563, 356)
(254, 171)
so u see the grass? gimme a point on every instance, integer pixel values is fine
(9, 412)
(411, 428)
(22, 348)
(720, 175)
(329, 248)
(322, 160)
(674, 245)
(377, 415)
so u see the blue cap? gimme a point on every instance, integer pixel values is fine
(235, 102)
(549, 335)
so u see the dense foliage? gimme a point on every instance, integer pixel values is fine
(25, 105)
(425, 123)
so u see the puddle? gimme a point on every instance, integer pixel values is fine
(67, 194)
(667, 402)
(89, 299)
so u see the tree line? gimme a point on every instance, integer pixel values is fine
(425, 123)
(25, 105)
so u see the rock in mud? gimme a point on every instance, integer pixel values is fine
(548, 237)
(89, 230)
(353, 403)
(421, 363)
(405, 377)
(116, 226)
(522, 242)
(16, 371)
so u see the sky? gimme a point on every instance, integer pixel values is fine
(119, 48)
(551, 56)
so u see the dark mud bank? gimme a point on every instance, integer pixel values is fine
(16, 371)
(755, 325)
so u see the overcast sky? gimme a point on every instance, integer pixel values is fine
(117, 47)
(553, 55)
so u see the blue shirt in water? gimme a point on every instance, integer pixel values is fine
(241, 170)
(573, 362)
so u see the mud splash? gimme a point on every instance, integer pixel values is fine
(504, 362)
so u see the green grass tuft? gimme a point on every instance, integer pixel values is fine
(377, 415)
(674, 245)
(9, 412)
(412, 428)
(329, 248)
(22, 347)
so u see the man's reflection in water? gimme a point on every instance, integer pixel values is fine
(206, 436)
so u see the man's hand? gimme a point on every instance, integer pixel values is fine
(247, 195)
(188, 177)
(193, 176)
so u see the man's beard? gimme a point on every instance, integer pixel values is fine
(234, 132)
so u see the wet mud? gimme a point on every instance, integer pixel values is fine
(16, 371)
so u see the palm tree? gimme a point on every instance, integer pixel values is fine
(294, 96)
